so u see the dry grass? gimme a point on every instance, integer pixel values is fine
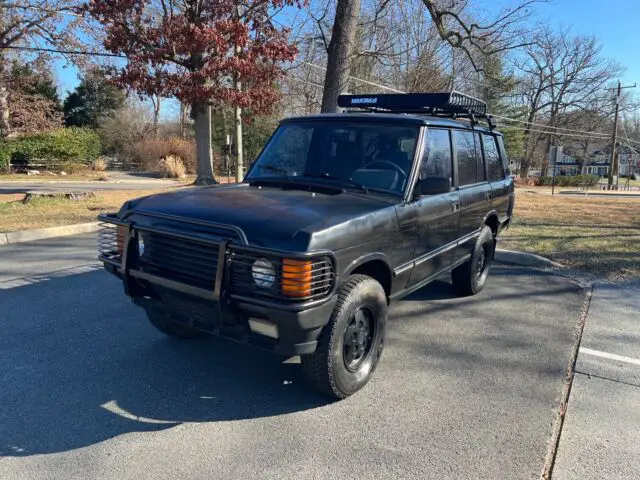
(40, 213)
(149, 152)
(172, 167)
(99, 165)
(600, 236)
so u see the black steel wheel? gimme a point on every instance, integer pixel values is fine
(358, 338)
(471, 277)
(351, 344)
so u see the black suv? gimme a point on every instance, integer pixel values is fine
(339, 215)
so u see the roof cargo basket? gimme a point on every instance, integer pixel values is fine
(441, 104)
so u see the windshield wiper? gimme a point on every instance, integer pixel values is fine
(274, 168)
(349, 181)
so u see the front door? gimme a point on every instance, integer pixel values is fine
(437, 215)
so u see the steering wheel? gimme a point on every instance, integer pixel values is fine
(386, 162)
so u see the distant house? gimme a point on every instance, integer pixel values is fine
(628, 161)
(597, 164)
(566, 165)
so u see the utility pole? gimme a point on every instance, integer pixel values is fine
(238, 119)
(613, 163)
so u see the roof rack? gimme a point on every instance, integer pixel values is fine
(440, 104)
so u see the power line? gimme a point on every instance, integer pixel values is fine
(550, 127)
(624, 130)
(295, 79)
(553, 133)
(357, 79)
(64, 52)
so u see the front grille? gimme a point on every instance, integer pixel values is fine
(242, 283)
(185, 261)
(110, 241)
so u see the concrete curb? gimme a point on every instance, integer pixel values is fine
(42, 233)
(525, 259)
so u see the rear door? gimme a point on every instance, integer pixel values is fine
(500, 180)
(474, 189)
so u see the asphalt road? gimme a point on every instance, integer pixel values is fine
(467, 388)
(20, 187)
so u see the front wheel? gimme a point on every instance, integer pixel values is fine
(471, 277)
(351, 343)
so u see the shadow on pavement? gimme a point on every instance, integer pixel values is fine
(80, 365)
(88, 368)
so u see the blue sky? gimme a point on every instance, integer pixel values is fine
(614, 22)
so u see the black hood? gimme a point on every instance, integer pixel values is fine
(270, 217)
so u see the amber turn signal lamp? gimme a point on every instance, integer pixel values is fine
(120, 238)
(296, 278)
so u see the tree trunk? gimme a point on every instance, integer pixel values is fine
(156, 114)
(239, 146)
(5, 125)
(340, 53)
(183, 119)
(202, 116)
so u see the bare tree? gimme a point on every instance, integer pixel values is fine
(560, 73)
(340, 50)
(460, 27)
(455, 22)
(24, 23)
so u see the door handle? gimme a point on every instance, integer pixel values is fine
(455, 206)
(488, 195)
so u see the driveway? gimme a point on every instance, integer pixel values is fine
(467, 388)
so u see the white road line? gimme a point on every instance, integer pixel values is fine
(610, 356)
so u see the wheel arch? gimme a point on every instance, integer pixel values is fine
(374, 265)
(492, 221)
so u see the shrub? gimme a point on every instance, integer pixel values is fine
(99, 165)
(567, 181)
(71, 167)
(172, 167)
(77, 145)
(150, 152)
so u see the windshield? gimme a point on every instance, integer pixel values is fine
(355, 155)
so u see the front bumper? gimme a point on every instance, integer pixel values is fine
(219, 309)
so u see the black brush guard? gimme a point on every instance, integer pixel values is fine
(227, 290)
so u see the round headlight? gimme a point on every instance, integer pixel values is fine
(263, 273)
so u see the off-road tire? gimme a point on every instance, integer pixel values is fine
(161, 319)
(471, 277)
(327, 369)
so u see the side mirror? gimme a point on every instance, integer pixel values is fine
(433, 186)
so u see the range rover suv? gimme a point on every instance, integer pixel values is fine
(340, 215)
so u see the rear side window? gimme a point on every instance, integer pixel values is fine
(492, 158)
(468, 163)
(436, 160)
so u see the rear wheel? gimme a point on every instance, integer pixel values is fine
(471, 277)
(161, 319)
(351, 343)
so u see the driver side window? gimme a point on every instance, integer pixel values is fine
(437, 158)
